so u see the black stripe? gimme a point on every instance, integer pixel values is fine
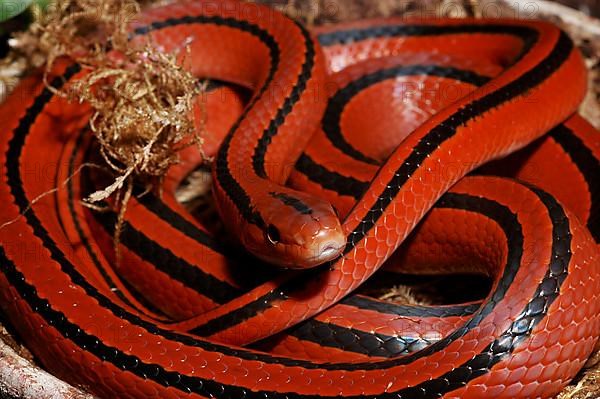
(178, 222)
(337, 103)
(353, 340)
(213, 84)
(588, 165)
(362, 302)
(357, 35)
(343, 185)
(249, 310)
(292, 202)
(258, 158)
(447, 129)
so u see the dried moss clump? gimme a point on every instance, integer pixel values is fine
(141, 115)
(141, 98)
(80, 29)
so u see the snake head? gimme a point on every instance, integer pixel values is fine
(296, 230)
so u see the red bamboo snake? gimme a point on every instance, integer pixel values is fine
(328, 134)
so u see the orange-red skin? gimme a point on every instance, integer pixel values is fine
(564, 341)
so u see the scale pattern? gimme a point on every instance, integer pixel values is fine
(182, 317)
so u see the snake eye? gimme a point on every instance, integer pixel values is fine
(273, 234)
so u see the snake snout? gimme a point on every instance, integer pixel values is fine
(320, 238)
(328, 250)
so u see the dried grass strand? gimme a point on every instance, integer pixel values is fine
(49, 192)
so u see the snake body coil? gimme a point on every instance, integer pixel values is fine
(381, 164)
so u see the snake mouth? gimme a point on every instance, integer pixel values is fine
(325, 253)
(329, 252)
